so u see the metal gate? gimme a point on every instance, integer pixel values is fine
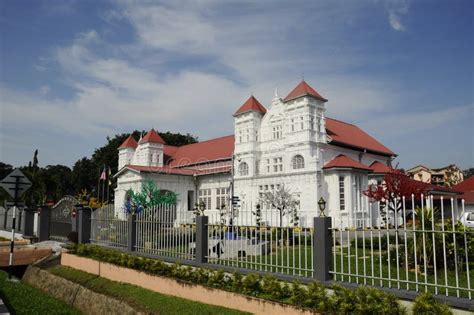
(60, 218)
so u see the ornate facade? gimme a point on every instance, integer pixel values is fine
(291, 143)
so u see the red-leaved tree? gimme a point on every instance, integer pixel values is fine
(395, 185)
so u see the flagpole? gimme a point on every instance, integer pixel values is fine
(108, 183)
(98, 187)
(103, 185)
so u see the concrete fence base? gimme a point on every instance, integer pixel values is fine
(189, 291)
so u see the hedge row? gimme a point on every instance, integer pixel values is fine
(313, 296)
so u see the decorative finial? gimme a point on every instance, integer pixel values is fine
(276, 92)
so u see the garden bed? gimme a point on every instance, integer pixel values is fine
(313, 297)
(180, 289)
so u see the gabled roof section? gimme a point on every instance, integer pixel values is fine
(344, 134)
(130, 142)
(466, 185)
(303, 89)
(152, 136)
(418, 168)
(379, 168)
(203, 152)
(342, 161)
(251, 104)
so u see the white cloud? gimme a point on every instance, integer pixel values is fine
(396, 10)
(116, 91)
(395, 23)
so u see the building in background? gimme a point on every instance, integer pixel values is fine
(291, 143)
(446, 176)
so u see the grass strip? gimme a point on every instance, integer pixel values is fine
(21, 298)
(137, 297)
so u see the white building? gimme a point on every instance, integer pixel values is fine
(291, 143)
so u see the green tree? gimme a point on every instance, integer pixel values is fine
(85, 175)
(36, 194)
(468, 173)
(149, 197)
(58, 181)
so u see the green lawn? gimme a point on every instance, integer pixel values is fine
(139, 298)
(23, 299)
(290, 259)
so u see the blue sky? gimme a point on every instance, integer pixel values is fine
(73, 72)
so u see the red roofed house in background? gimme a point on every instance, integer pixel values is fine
(467, 188)
(291, 142)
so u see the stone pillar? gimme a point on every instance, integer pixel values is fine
(43, 223)
(132, 229)
(29, 222)
(202, 247)
(84, 226)
(322, 248)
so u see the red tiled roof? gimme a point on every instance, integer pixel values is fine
(343, 161)
(353, 136)
(162, 169)
(467, 187)
(379, 168)
(303, 89)
(130, 142)
(152, 136)
(252, 104)
(178, 171)
(205, 151)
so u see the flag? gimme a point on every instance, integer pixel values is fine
(103, 176)
(109, 175)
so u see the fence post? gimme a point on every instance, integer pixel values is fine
(132, 235)
(322, 248)
(201, 239)
(84, 231)
(29, 222)
(43, 218)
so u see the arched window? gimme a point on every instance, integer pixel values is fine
(243, 169)
(297, 162)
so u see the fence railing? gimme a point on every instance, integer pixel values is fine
(421, 246)
(418, 247)
(108, 228)
(261, 245)
(165, 232)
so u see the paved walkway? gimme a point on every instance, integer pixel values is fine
(3, 308)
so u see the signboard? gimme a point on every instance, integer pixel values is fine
(16, 183)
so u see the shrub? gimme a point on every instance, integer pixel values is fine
(425, 303)
(314, 296)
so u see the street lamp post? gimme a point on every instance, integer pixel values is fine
(322, 207)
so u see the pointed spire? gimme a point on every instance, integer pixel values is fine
(303, 89)
(251, 104)
(130, 142)
(152, 136)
